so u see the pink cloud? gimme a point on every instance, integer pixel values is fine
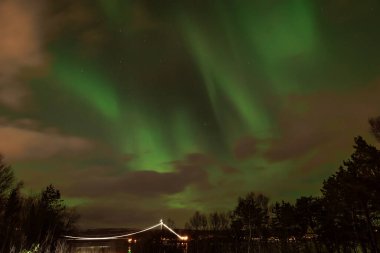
(20, 48)
(20, 143)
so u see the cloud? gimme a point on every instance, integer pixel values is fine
(325, 127)
(95, 176)
(106, 181)
(245, 148)
(20, 48)
(20, 140)
(228, 169)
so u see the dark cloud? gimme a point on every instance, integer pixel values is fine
(324, 119)
(229, 170)
(245, 148)
(90, 179)
(100, 182)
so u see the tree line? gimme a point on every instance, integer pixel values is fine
(344, 218)
(31, 221)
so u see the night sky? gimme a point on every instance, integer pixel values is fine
(142, 109)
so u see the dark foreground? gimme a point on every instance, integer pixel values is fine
(121, 246)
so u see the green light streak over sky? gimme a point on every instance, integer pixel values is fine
(89, 85)
(272, 39)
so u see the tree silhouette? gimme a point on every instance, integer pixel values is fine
(12, 217)
(306, 212)
(352, 196)
(218, 221)
(251, 215)
(197, 222)
(284, 223)
(7, 179)
(375, 127)
(30, 220)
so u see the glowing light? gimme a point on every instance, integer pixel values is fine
(79, 238)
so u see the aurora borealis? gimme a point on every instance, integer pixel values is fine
(139, 109)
